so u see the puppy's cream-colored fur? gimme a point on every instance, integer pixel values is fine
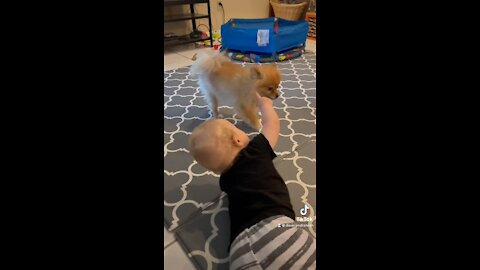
(224, 82)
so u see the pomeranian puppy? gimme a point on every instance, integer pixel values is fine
(223, 82)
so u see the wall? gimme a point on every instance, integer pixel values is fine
(247, 9)
(233, 9)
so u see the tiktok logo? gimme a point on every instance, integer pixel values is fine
(304, 210)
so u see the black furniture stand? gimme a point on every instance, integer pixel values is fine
(177, 40)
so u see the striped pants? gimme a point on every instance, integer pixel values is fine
(265, 245)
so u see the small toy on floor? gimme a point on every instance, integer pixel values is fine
(217, 40)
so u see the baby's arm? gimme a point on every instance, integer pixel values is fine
(270, 122)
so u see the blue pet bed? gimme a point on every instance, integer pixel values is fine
(264, 40)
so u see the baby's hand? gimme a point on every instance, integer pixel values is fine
(270, 121)
(263, 101)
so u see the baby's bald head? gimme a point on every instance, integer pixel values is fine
(211, 144)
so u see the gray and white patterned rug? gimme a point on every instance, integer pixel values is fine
(194, 207)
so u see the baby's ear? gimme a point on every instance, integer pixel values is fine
(255, 73)
(236, 140)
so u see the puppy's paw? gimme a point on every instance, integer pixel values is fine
(217, 116)
(214, 114)
(255, 124)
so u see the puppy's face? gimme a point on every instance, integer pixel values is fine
(268, 82)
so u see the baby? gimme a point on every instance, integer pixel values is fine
(259, 202)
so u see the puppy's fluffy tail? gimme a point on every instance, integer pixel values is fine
(207, 63)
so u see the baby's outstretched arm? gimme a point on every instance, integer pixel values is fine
(270, 121)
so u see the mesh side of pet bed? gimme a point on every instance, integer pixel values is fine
(265, 37)
(263, 57)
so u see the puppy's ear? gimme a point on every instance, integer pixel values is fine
(255, 73)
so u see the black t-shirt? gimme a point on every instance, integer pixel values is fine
(255, 189)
